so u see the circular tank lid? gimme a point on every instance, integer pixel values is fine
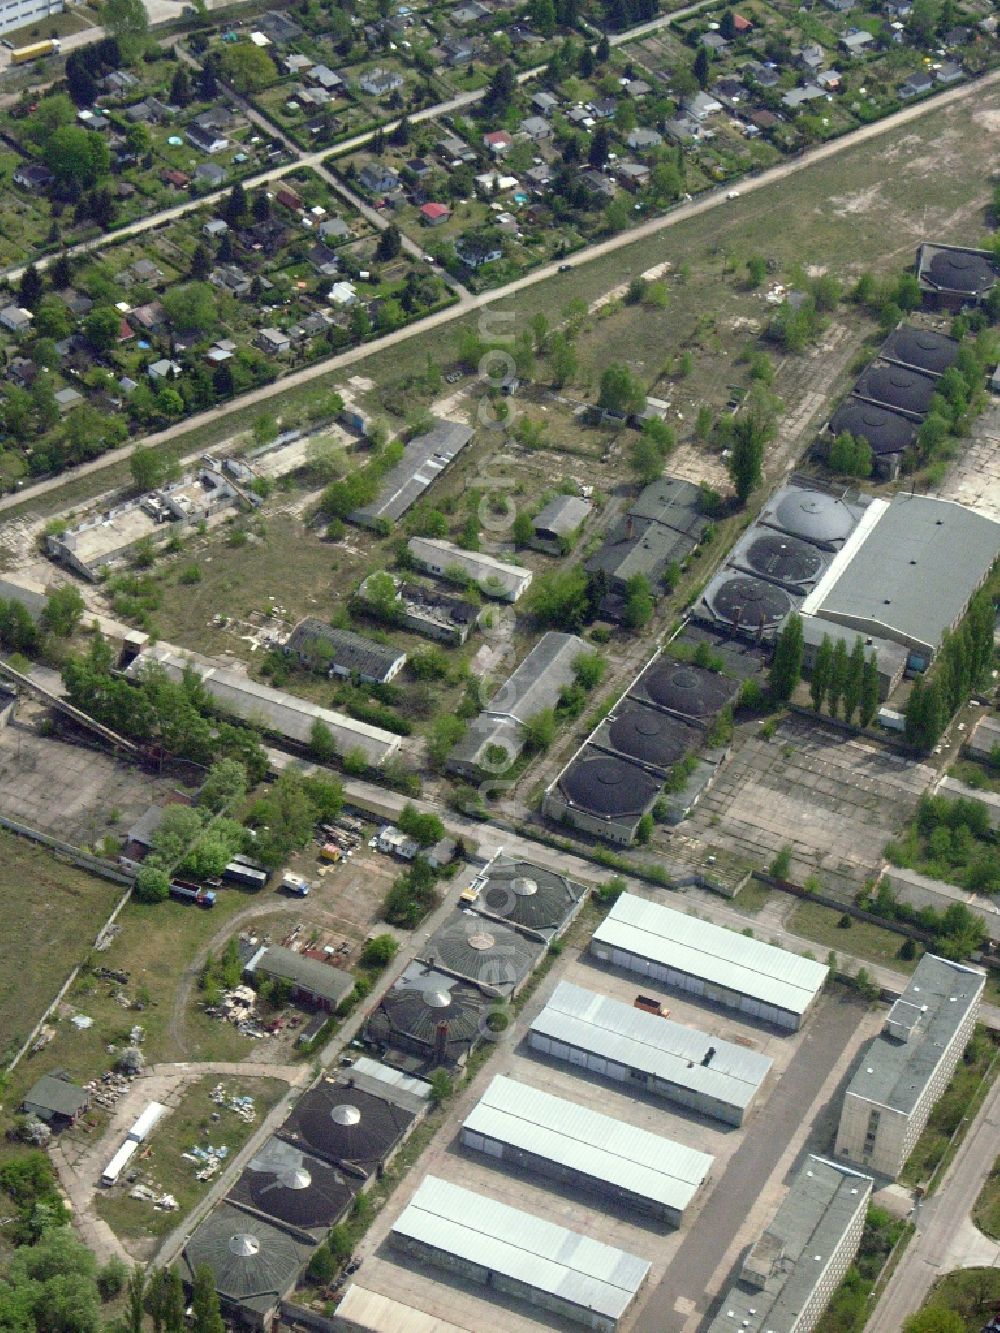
(481, 940)
(244, 1245)
(345, 1114)
(295, 1178)
(437, 999)
(524, 887)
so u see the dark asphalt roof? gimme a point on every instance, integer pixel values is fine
(607, 786)
(923, 349)
(254, 1262)
(780, 558)
(886, 432)
(528, 895)
(646, 734)
(748, 603)
(484, 952)
(419, 1002)
(682, 688)
(967, 272)
(294, 1187)
(347, 1125)
(897, 387)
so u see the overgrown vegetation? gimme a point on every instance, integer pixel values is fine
(848, 1309)
(951, 839)
(958, 1102)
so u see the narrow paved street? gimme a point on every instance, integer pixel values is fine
(946, 1239)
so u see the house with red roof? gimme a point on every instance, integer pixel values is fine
(435, 214)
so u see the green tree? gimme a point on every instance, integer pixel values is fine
(102, 326)
(30, 287)
(127, 22)
(702, 68)
(923, 20)
(786, 664)
(753, 430)
(224, 787)
(205, 1316)
(562, 359)
(838, 677)
(390, 243)
(425, 829)
(63, 611)
(560, 599)
(638, 610)
(756, 270)
(322, 745)
(540, 730)
(821, 673)
(869, 692)
(152, 885)
(192, 307)
(621, 391)
(77, 158)
(854, 680)
(151, 469)
(247, 67)
(379, 951)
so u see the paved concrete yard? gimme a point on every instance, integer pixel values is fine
(974, 480)
(834, 799)
(70, 790)
(430, 1290)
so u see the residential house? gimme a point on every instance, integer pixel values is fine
(919, 83)
(296, 63)
(56, 1101)
(230, 279)
(418, 167)
(178, 179)
(458, 51)
(539, 176)
(15, 319)
(714, 42)
(700, 106)
(434, 214)
(599, 184)
(604, 109)
(829, 80)
(855, 42)
(35, 177)
(632, 175)
(164, 369)
(536, 128)
(342, 294)
(741, 25)
(215, 227)
(377, 82)
(333, 229)
(498, 142)
(473, 251)
(453, 150)
(67, 399)
(797, 97)
(206, 139)
(642, 139)
(950, 72)
(289, 198)
(764, 74)
(683, 129)
(812, 57)
(469, 12)
(327, 79)
(637, 88)
(545, 104)
(273, 341)
(222, 351)
(377, 178)
(323, 260)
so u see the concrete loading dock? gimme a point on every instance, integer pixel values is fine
(603, 1036)
(766, 983)
(557, 1138)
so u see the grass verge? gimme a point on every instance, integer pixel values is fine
(954, 1113)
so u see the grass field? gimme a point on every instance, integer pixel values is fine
(861, 939)
(155, 945)
(752, 897)
(52, 913)
(986, 1213)
(189, 1125)
(868, 207)
(972, 1293)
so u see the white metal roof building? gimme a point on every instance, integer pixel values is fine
(261, 705)
(603, 1036)
(493, 577)
(550, 1136)
(699, 958)
(520, 1255)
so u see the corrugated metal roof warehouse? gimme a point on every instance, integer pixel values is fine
(516, 1253)
(555, 1137)
(711, 1076)
(760, 980)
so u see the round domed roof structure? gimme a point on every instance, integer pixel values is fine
(648, 735)
(284, 1182)
(814, 516)
(886, 431)
(749, 604)
(961, 271)
(921, 348)
(783, 559)
(689, 690)
(528, 895)
(603, 785)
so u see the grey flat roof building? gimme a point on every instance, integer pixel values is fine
(909, 572)
(792, 1270)
(560, 517)
(707, 960)
(262, 705)
(522, 1255)
(906, 1068)
(495, 578)
(662, 526)
(551, 1135)
(424, 459)
(681, 1064)
(321, 982)
(54, 1098)
(341, 652)
(534, 686)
